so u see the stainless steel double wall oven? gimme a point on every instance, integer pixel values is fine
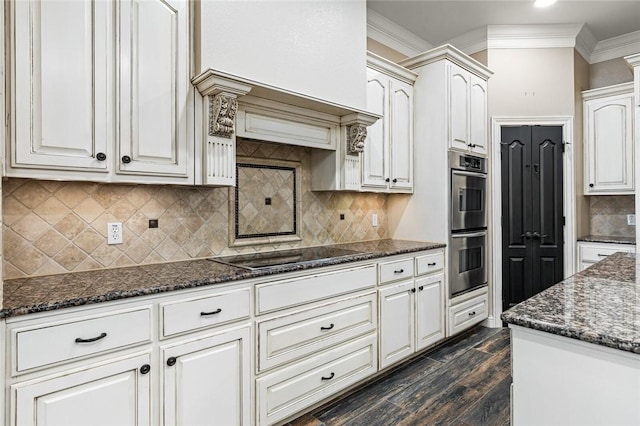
(468, 223)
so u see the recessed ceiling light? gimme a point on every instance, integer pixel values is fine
(543, 3)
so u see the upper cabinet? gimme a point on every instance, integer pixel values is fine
(467, 110)
(608, 140)
(453, 104)
(80, 112)
(387, 159)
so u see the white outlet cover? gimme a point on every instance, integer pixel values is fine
(374, 219)
(631, 219)
(114, 233)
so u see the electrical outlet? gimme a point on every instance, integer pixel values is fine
(114, 233)
(374, 219)
(631, 219)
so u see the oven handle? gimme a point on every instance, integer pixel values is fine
(470, 235)
(472, 174)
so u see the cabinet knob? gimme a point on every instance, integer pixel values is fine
(421, 288)
(590, 185)
(145, 369)
(171, 361)
(386, 180)
(413, 290)
(395, 181)
(126, 159)
(101, 156)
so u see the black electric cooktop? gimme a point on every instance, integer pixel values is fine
(284, 257)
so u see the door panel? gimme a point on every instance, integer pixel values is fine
(401, 168)
(375, 152)
(532, 242)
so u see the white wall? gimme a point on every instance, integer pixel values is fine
(314, 47)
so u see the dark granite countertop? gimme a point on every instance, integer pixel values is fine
(599, 305)
(612, 239)
(45, 293)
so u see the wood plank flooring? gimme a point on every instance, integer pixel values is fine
(463, 382)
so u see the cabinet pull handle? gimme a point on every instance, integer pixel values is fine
(431, 264)
(145, 369)
(421, 288)
(171, 361)
(398, 271)
(126, 159)
(101, 156)
(602, 255)
(93, 339)
(217, 311)
(472, 313)
(328, 328)
(330, 377)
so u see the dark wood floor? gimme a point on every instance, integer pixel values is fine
(464, 382)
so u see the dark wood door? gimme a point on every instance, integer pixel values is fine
(532, 213)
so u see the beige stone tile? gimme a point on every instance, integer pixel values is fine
(89, 240)
(30, 227)
(138, 224)
(167, 248)
(12, 244)
(71, 226)
(9, 271)
(70, 257)
(29, 260)
(11, 184)
(107, 195)
(106, 254)
(52, 210)
(180, 235)
(152, 209)
(139, 196)
(100, 224)
(138, 251)
(89, 264)
(72, 194)
(88, 209)
(13, 210)
(123, 261)
(51, 242)
(166, 197)
(122, 210)
(31, 194)
(50, 267)
(153, 237)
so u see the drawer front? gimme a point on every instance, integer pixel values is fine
(58, 342)
(396, 270)
(288, 293)
(285, 392)
(595, 253)
(467, 314)
(290, 337)
(187, 315)
(429, 263)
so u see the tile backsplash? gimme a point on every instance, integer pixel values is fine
(54, 227)
(608, 215)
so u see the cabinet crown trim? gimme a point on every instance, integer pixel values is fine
(451, 53)
(381, 64)
(617, 89)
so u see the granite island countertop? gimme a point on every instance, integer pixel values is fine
(609, 239)
(46, 293)
(600, 305)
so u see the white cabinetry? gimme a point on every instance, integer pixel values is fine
(467, 310)
(412, 313)
(387, 159)
(69, 118)
(590, 253)
(467, 110)
(608, 138)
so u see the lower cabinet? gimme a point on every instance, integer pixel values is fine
(590, 253)
(207, 380)
(115, 393)
(468, 310)
(411, 317)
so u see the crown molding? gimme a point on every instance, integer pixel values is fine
(616, 47)
(633, 60)
(384, 65)
(532, 36)
(450, 53)
(472, 42)
(585, 43)
(393, 35)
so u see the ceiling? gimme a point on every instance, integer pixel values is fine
(439, 21)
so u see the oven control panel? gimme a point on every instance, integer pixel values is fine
(467, 162)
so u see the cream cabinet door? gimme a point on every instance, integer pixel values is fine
(397, 338)
(429, 310)
(459, 83)
(375, 156)
(113, 394)
(61, 84)
(207, 381)
(154, 88)
(401, 140)
(478, 115)
(609, 145)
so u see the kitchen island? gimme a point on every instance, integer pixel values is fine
(576, 349)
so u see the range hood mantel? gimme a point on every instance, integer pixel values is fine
(212, 82)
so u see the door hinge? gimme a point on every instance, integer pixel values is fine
(564, 220)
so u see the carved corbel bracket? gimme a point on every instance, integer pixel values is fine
(356, 130)
(222, 114)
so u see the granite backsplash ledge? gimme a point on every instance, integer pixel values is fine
(57, 227)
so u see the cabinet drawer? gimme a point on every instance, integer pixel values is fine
(467, 313)
(186, 315)
(287, 391)
(287, 293)
(65, 341)
(595, 253)
(289, 337)
(396, 270)
(429, 263)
